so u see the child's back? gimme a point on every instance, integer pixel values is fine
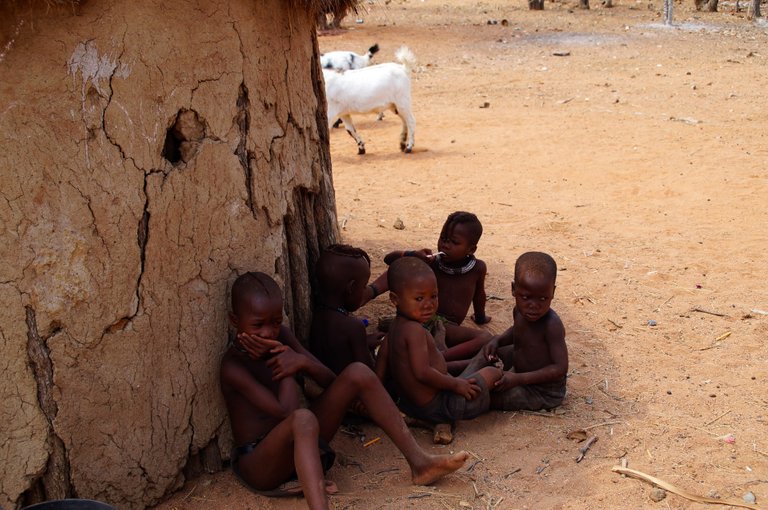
(336, 337)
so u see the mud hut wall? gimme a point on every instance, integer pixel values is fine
(117, 261)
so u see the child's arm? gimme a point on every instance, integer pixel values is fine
(292, 358)
(424, 254)
(357, 342)
(478, 300)
(418, 357)
(558, 353)
(236, 377)
(376, 288)
(506, 338)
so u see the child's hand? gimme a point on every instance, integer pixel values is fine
(286, 362)
(256, 346)
(490, 349)
(424, 254)
(507, 381)
(467, 388)
(485, 319)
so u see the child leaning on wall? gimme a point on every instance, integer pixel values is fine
(270, 428)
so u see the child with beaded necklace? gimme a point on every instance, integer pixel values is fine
(460, 282)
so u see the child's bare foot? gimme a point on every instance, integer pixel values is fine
(442, 434)
(437, 467)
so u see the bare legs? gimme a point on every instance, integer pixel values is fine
(358, 381)
(291, 445)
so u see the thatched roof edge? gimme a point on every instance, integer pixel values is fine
(329, 6)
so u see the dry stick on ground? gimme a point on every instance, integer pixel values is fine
(605, 391)
(680, 492)
(713, 421)
(583, 450)
(702, 310)
(603, 424)
(716, 340)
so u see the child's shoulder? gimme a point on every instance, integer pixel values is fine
(404, 328)
(553, 323)
(330, 319)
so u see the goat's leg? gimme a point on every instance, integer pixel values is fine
(409, 126)
(353, 133)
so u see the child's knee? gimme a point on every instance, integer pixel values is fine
(485, 336)
(490, 375)
(358, 373)
(304, 421)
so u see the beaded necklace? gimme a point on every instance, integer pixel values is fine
(466, 268)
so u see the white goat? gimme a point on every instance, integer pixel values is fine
(373, 89)
(347, 60)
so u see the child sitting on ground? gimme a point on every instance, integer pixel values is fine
(533, 350)
(336, 337)
(427, 392)
(276, 439)
(460, 282)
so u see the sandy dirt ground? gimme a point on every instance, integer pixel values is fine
(636, 155)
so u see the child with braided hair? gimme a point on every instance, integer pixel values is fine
(337, 337)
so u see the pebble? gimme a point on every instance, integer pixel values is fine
(399, 225)
(658, 494)
(749, 498)
(651, 322)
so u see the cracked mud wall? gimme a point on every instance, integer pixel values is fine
(117, 257)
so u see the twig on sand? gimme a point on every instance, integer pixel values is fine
(716, 340)
(472, 466)
(583, 450)
(540, 413)
(189, 494)
(604, 382)
(713, 421)
(680, 492)
(710, 312)
(603, 424)
(516, 470)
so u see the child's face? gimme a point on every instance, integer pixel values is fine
(456, 243)
(361, 273)
(533, 295)
(260, 316)
(418, 300)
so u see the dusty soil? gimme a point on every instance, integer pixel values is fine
(638, 160)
